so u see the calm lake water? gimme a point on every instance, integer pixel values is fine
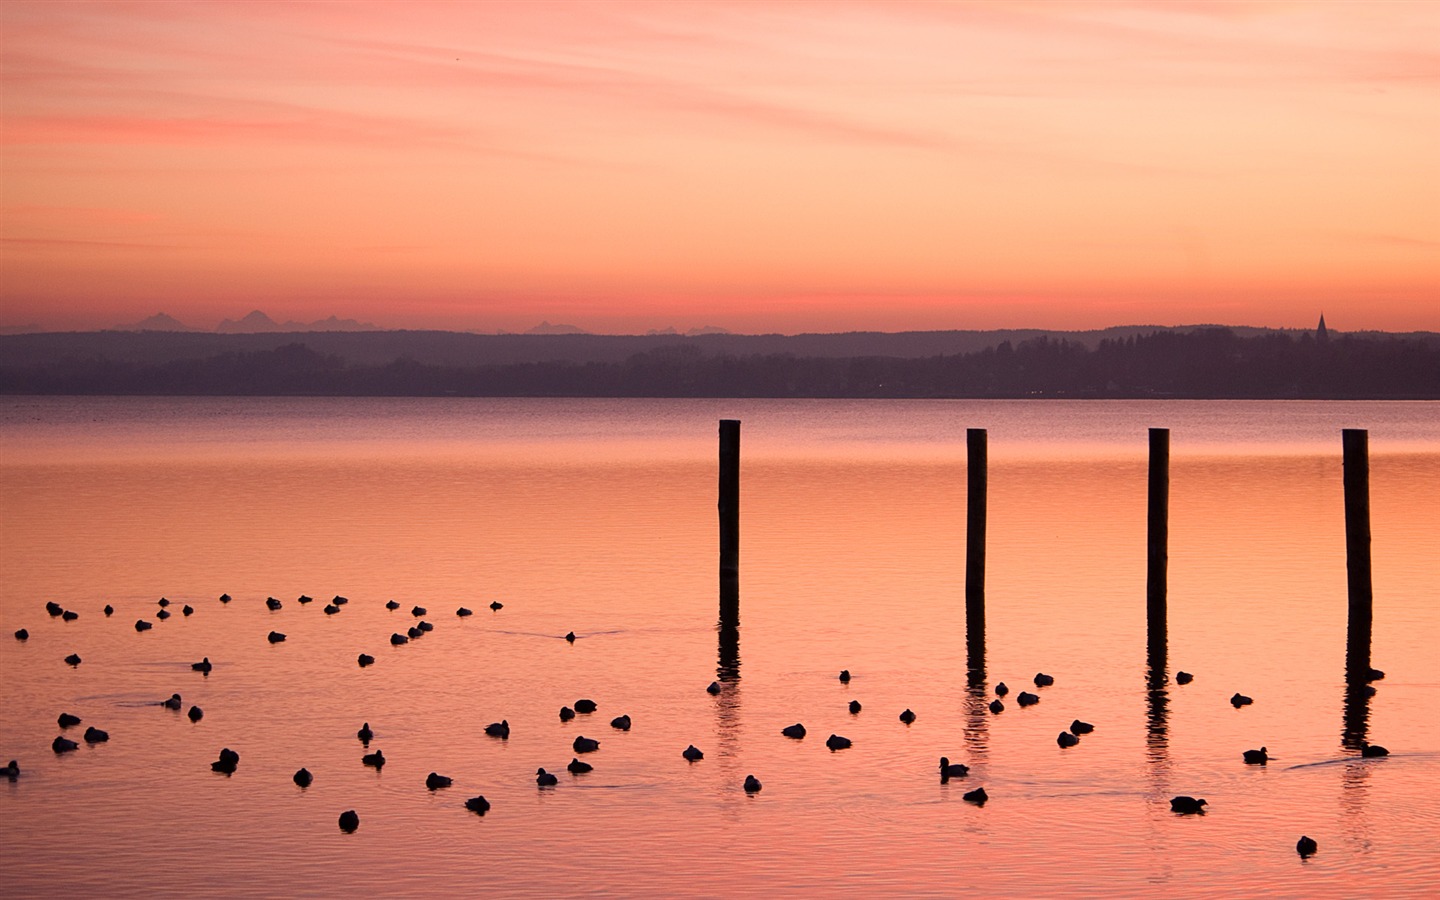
(599, 517)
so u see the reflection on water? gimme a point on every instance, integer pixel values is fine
(599, 518)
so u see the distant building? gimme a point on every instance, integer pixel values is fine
(1321, 334)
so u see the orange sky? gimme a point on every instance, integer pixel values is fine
(759, 166)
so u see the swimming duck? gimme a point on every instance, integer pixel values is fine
(53, 608)
(69, 615)
(500, 729)
(365, 659)
(545, 779)
(142, 625)
(392, 605)
(950, 770)
(398, 639)
(304, 599)
(61, 745)
(339, 600)
(1002, 689)
(976, 796)
(576, 767)
(692, 753)
(435, 781)
(566, 713)
(11, 770)
(583, 744)
(303, 778)
(796, 731)
(845, 676)
(202, 666)
(478, 804)
(225, 598)
(570, 636)
(621, 722)
(1256, 757)
(496, 605)
(1239, 700)
(1306, 846)
(163, 614)
(907, 717)
(417, 611)
(73, 659)
(349, 821)
(414, 632)
(196, 714)
(462, 611)
(365, 734)
(227, 762)
(66, 720)
(713, 688)
(836, 742)
(172, 703)
(854, 707)
(109, 610)
(752, 784)
(22, 635)
(94, 735)
(1043, 680)
(186, 610)
(1370, 751)
(1025, 698)
(331, 609)
(163, 602)
(375, 760)
(272, 603)
(1078, 727)
(585, 706)
(275, 637)
(424, 626)
(1187, 805)
(997, 707)
(1066, 739)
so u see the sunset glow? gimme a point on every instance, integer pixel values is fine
(756, 166)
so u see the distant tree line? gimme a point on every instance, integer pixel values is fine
(1206, 363)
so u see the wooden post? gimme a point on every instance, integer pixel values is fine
(1159, 528)
(1356, 442)
(729, 522)
(976, 490)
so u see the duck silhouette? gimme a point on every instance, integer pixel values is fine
(227, 762)
(545, 779)
(997, 707)
(462, 612)
(977, 796)
(73, 659)
(349, 821)
(1238, 700)
(1370, 751)
(1306, 846)
(585, 706)
(11, 770)
(576, 767)
(1002, 689)
(202, 666)
(478, 804)
(566, 713)
(172, 703)
(396, 639)
(621, 723)
(196, 714)
(692, 753)
(1066, 739)
(66, 720)
(1256, 757)
(570, 636)
(1187, 805)
(582, 744)
(365, 659)
(272, 603)
(949, 770)
(796, 731)
(836, 742)
(94, 735)
(907, 717)
(142, 625)
(375, 760)
(1078, 727)
(854, 707)
(1025, 698)
(500, 729)
(752, 784)
(303, 778)
(1043, 680)
(435, 781)
(845, 676)
(392, 605)
(496, 605)
(62, 745)
(365, 734)
(275, 637)
(713, 688)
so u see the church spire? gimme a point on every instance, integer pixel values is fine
(1321, 334)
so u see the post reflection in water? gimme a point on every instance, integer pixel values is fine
(1157, 699)
(727, 669)
(1357, 679)
(977, 721)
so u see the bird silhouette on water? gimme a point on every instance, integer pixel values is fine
(949, 770)
(977, 796)
(1370, 751)
(713, 688)
(997, 707)
(545, 779)
(392, 605)
(621, 723)
(142, 625)
(365, 659)
(570, 636)
(349, 821)
(1002, 689)
(1066, 739)
(1183, 678)
(582, 744)
(576, 767)
(172, 703)
(1257, 757)
(752, 784)
(1025, 698)
(585, 706)
(11, 770)
(462, 612)
(272, 603)
(1043, 680)
(275, 637)
(202, 666)
(195, 714)
(375, 760)
(303, 778)
(66, 720)
(1238, 700)
(692, 753)
(1187, 805)
(836, 742)
(500, 729)
(94, 735)
(796, 731)
(907, 717)
(63, 745)
(73, 659)
(478, 805)
(1078, 727)
(365, 734)
(496, 605)
(1306, 846)
(845, 676)
(854, 707)
(566, 713)
(435, 781)
(227, 762)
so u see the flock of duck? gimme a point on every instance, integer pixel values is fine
(228, 760)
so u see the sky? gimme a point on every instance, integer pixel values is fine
(757, 166)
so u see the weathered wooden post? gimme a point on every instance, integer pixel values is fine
(1158, 531)
(729, 523)
(1355, 444)
(977, 486)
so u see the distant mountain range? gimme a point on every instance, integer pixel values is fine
(254, 323)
